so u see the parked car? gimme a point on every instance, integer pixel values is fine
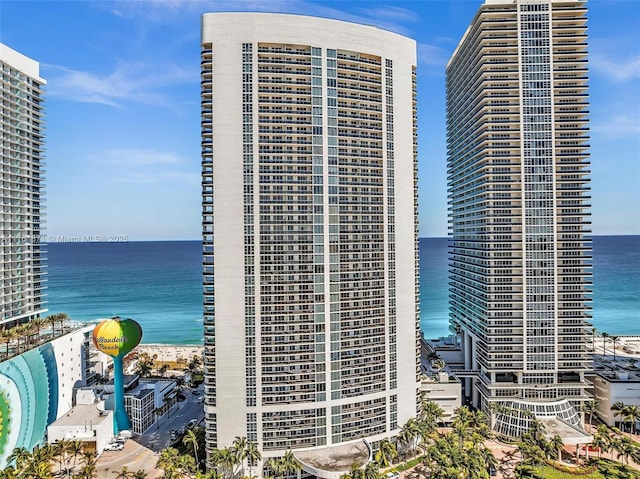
(195, 392)
(191, 424)
(114, 446)
(174, 434)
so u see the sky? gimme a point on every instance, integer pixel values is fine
(123, 106)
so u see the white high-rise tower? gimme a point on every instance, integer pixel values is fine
(22, 288)
(518, 166)
(309, 173)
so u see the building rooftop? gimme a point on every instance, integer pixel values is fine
(623, 368)
(82, 414)
(334, 461)
(569, 434)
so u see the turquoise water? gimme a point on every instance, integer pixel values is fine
(159, 285)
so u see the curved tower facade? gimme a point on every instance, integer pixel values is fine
(309, 171)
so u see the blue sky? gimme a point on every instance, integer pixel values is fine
(123, 105)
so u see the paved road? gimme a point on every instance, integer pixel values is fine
(141, 452)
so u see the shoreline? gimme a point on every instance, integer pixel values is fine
(170, 352)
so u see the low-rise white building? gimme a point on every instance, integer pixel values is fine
(615, 381)
(443, 389)
(147, 401)
(85, 422)
(437, 382)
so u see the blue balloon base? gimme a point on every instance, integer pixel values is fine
(120, 419)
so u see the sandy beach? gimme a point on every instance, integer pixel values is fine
(168, 352)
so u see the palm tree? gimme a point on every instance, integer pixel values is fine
(6, 336)
(162, 370)
(190, 440)
(253, 455)
(604, 337)
(430, 409)
(90, 459)
(624, 448)
(488, 458)
(62, 318)
(227, 460)
(20, 456)
(631, 413)
(38, 323)
(409, 434)
(52, 320)
(556, 444)
(602, 439)
(145, 365)
(356, 472)
(615, 340)
(386, 453)
(589, 408)
(594, 334)
(273, 465)
(179, 387)
(169, 462)
(124, 473)
(75, 447)
(617, 407)
(371, 471)
(290, 464)
(239, 448)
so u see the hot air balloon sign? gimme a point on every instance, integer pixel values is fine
(117, 337)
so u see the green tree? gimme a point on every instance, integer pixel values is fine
(124, 473)
(290, 464)
(169, 462)
(624, 448)
(253, 455)
(20, 456)
(590, 407)
(356, 472)
(190, 440)
(386, 453)
(602, 439)
(227, 461)
(631, 413)
(614, 340)
(617, 407)
(145, 365)
(371, 471)
(604, 337)
(557, 444)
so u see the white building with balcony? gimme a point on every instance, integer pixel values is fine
(309, 176)
(22, 277)
(518, 178)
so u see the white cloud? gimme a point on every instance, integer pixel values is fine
(388, 12)
(136, 156)
(618, 71)
(133, 82)
(617, 127)
(432, 55)
(145, 166)
(389, 17)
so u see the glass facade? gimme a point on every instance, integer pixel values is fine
(518, 169)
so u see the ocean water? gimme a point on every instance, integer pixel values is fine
(159, 285)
